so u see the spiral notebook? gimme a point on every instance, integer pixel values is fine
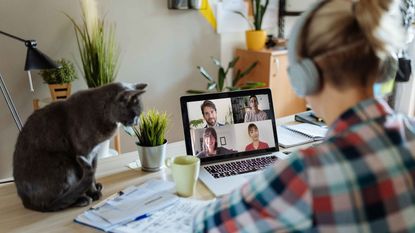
(299, 134)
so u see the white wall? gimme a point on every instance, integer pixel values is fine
(160, 47)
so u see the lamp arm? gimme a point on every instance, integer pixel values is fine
(10, 104)
(28, 43)
(14, 37)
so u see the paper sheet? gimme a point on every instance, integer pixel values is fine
(130, 203)
(175, 218)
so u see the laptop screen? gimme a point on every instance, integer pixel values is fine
(225, 125)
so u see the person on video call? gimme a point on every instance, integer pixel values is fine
(361, 178)
(256, 144)
(254, 113)
(210, 145)
(208, 109)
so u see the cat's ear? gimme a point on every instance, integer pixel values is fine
(130, 97)
(140, 86)
(134, 97)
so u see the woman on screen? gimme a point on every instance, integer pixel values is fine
(254, 114)
(210, 145)
(256, 144)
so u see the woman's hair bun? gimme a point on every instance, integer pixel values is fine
(380, 21)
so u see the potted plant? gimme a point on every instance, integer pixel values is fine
(151, 135)
(219, 84)
(59, 80)
(256, 37)
(96, 45)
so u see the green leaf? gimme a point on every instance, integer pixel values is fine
(247, 20)
(216, 61)
(211, 86)
(205, 73)
(233, 88)
(221, 79)
(249, 69)
(232, 63)
(252, 85)
(239, 75)
(236, 78)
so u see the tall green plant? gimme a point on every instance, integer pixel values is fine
(219, 84)
(258, 12)
(96, 44)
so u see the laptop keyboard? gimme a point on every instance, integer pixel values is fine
(240, 167)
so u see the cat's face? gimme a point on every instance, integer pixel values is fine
(128, 105)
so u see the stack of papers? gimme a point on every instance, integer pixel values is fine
(134, 207)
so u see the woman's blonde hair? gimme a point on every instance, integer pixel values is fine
(351, 40)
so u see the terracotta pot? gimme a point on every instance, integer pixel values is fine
(255, 40)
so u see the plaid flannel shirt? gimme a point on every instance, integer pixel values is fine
(359, 179)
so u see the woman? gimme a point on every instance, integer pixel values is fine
(254, 114)
(361, 177)
(254, 135)
(210, 144)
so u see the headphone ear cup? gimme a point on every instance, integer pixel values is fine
(388, 70)
(304, 77)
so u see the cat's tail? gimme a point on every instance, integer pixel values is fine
(75, 194)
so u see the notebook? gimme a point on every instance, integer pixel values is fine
(299, 134)
(224, 125)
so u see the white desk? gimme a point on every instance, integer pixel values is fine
(112, 173)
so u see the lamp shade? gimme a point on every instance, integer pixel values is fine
(36, 60)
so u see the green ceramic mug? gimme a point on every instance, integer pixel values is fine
(185, 171)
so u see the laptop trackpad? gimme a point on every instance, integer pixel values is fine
(226, 185)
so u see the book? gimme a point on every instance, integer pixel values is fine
(309, 117)
(134, 207)
(299, 134)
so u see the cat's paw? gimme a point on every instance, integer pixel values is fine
(98, 186)
(96, 194)
(82, 201)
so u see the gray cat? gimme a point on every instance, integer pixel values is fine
(54, 162)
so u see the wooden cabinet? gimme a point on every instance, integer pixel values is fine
(272, 70)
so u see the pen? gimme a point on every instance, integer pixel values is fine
(316, 117)
(141, 217)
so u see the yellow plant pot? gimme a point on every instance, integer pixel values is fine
(60, 91)
(255, 40)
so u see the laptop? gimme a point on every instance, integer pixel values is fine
(229, 157)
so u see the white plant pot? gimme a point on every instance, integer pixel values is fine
(103, 149)
(152, 157)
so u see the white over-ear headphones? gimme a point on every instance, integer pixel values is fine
(303, 72)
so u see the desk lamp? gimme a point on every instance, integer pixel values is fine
(34, 60)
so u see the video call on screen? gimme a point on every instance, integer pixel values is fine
(233, 118)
